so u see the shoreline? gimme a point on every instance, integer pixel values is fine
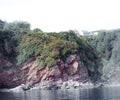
(67, 85)
(51, 85)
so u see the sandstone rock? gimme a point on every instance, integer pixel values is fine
(64, 74)
(5, 62)
(71, 59)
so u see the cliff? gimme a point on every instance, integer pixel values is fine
(33, 57)
(106, 45)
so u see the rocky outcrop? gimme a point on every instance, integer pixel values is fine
(114, 76)
(7, 73)
(30, 75)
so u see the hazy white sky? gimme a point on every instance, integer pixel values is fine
(61, 15)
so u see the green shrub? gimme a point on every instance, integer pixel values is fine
(50, 62)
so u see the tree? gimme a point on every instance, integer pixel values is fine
(17, 26)
(37, 30)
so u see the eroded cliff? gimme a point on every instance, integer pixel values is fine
(33, 58)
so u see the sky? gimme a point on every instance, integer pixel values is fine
(63, 15)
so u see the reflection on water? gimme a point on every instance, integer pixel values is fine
(111, 93)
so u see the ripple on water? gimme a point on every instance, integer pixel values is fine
(101, 93)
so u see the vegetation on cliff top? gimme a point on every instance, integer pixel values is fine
(19, 43)
(99, 53)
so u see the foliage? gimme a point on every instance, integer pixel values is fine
(17, 27)
(37, 30)
(48, 47)
(24, 43)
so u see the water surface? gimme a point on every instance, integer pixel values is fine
(102, 93)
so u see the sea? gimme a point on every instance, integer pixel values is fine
(96, 93)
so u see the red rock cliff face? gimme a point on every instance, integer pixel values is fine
(29, 74)
(8, 73)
